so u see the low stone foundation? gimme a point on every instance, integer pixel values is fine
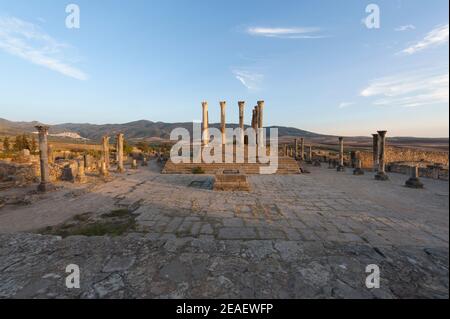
(231, 180)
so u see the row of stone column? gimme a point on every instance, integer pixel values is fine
(257, 120)
(44, 149)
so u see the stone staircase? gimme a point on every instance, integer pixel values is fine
(286, 166)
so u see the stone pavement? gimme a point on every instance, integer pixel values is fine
(296, 236)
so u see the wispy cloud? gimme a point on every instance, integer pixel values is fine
(286, 33)
(251, 80)
(343, 105)
(419, 88)
(434, 38)
(29, 42)
(407, 27)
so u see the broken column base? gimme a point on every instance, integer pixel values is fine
(340, 168)
(414, 182)
(358, 171)
(46, 187)
(381, 176)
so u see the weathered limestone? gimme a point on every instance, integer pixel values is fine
(285, 150)
(144, 161)
(381, 175)
(358, 169)
(45, 184)
(104, 172)
(231, 180)
(341, 167)
(260, 114)
(134, 164)
(296, 148)
(105, 154)
(302, 149)
(205, 129)
(223, 106)
(81, 176)
(375, 152)
(310, 154)
(414, 181)
(241, 105)
(119, 152)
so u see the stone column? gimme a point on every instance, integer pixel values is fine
(81, 176)
(381, 175)
(414, 181)
(358, 167)
(223, 105)
(310, 154)
(302, 149)
(45, 184)
(375, 152)
(105, 146)
(341, 166)
(241, 105)
(205, 130)
(260, 114)
(296, 148)
(120, 167)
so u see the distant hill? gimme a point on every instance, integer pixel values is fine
(134, 130)
(148, 130)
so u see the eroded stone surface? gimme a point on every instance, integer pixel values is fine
(299, 236)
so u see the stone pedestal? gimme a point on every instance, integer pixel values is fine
(341, 167)
(144, 161)
(231, 180)
(414, 181)
(134, 164)
(381, 175)
(104, 172)
(45, 184)
(358, 169)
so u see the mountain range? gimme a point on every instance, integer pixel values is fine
(142, 129)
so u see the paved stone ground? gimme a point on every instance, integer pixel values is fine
(297, 236)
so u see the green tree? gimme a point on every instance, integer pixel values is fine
(127, 148)
(33, 144)
(25, 142)
(6, 144)
(18, 143)
(142, 146)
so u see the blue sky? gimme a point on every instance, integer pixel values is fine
(315, 63)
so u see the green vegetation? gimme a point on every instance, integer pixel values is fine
(198, 170)
(115, 223)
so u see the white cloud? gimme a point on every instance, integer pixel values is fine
(27, 41)
(251, 80)
(287, 33)
(345, 104)
(420, 88)
(407, 27)
(434, 38)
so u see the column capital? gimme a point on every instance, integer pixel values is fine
(341, 138)
(204, 104)
(223, 104)
(382, 133)
(42, 128)
(260, 103)
(241, 103)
